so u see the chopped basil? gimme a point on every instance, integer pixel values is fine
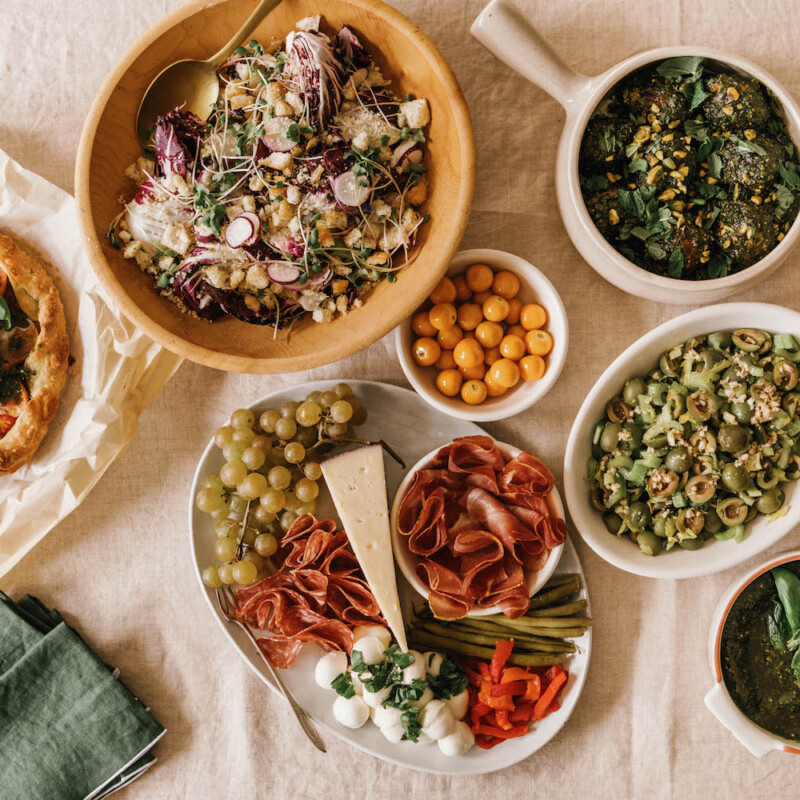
(412, 727)
(450, 681)
(343, 684)
(397, 656)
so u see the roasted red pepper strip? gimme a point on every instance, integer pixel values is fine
(508, 689)
(517, 674)
(549, 694)
(552, 673)
(512, 733)
(533, 690)
(502, 651)
(502, 720)
(473, 677)
(522, 713)
(500, 703)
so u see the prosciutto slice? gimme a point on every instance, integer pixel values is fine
(479, 524)
(318, 595)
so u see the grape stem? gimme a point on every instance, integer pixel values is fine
(240, 546)
(381, 442)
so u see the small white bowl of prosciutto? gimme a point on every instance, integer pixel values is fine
(478, 528)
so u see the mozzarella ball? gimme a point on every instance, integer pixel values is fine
(458, 704)
(426, 697)
(352, 712)
(437, 720)
(433, 662)
(371, 649)
(424, 738)
(416, 671)
(386, 716)
(374, 699)
(394, 733)
(378, 631)
(459, 741)
(329, 667)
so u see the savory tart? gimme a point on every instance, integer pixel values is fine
(34, 351)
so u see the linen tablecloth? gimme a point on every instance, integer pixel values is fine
(122, 562)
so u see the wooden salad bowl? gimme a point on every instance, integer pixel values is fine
(109, 144)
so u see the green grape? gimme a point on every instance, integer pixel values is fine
(285, 428)
(308, 413)
(307, 508)
(343, 390)
(306, 490)
(244, 572)
(223, 436)
(328, 399)
(288, 518)
(354, 402)
(223, 528)
(314, 396)
(225, 572)
(261, 442)
(294, 452)
(213, 482)
(275, 457)
(242, 418)
(273, 500)
(233, 473)
(253, 458)
(238, 504)
(249, 536)
(253, 486)
(234, 451)
(307, 437)
(291, 501)
(289, 409)
(211, 577)
(279, 478)
(244, 435)
(312, 470)
(266, 545)
(221, 514)
(336, 430)
(226, 548)
(359, 416)
(268, 420)
(263, 517)
(254, 558)
(209, 500)
(341, 411)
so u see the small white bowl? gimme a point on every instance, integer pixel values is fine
(718, 700)
(639, 359)
(534, 288)
(407, 561)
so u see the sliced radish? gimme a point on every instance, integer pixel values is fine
(283, 273)
(351, 189)
(313, 282)
(203, 234)
(400, 151)
(243, 230)
(275, 134)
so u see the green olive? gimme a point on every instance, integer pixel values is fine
(790, 403)
(700, 405)
(649, 543)
(742, 412)
(793, 470)
(720, 340)
(679, 459)
(609, 439)
(617, 410)
(700, 488)
(751, 340)
(703, 441)
(631, 391)
(669, 366)
(733, 438)
(662, 483)
(732, 511)
(690, 520)
(768, 478)
(661, 527)
(598, 501)
(692, 544)
(735, 478)
(710, 357)
(631, 438)
(770, 501)
(639, 515)
(784, 375)
(613, 522)
(713, 524)
(677, 402)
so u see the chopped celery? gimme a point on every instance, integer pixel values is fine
(679, 500)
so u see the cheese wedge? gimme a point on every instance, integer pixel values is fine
(357, 483)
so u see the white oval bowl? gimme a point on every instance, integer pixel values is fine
(718, 700)
(639, 359)
(407, 561)
(535, 287)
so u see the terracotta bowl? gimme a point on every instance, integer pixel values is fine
(108, 145)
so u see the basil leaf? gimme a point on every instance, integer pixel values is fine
(343, 684)
(357, 661)
(783, 198)
(788, 586)
(718, 265)
(743, 146)
(637, 165)
(788, 170)
(5, 315)
(596, 183)
(714, 165)
(656, 251)
(696, 130)
(675, 263)
(411, 724)
(680, 67)
(695, 94)
(397, 656)
(631, 201)
(778, 627)
(450, 681)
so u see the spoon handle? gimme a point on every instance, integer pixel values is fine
(250, 24)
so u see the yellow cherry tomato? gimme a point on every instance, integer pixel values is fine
(495, 309)
(444, 292)
(469, 316)
(491, 355)
(442, 316)
(504, 372)
(512, 347)
(448, 382)
(479, 277)
(473, 373)
(493, 389)
(505, 284)
(489, 334)
(445, 360)
(426, 351)
(532, 368)
(473, 392)
(468, 353)
(463, 292)
(481, 297)
(421, 324)
(532, 316)
(514, 307)
(449, 337)
(539, 343)
(515, 330)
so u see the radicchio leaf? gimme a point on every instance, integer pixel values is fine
(177, 140)
(195, 292)
(349, 48)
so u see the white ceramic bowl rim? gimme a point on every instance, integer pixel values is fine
(405, 559)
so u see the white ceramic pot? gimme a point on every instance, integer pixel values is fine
(758, 741)
(407, 561)
(638, 360)
(509, 35)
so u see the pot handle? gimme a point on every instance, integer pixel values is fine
(506, 33)
(719, 703)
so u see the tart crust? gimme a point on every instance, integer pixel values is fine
(39, 300)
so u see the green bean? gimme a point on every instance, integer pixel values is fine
(429, 641)
(541, 622)
(540, 643)
(478, 625)
(557, 611)
(558, 592)
(520, 643)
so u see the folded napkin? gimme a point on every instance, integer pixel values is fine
(68, 728)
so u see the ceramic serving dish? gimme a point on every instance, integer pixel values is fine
(758, 741)
(109, 144)
(510, 36)
(407, 561)
(535, 287)
(638, 359)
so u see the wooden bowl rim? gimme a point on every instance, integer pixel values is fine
(277, 364)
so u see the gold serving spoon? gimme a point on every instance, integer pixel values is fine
(190, 83)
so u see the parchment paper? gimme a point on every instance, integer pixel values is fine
(115, 371)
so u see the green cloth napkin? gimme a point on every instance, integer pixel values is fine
(68, 728)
